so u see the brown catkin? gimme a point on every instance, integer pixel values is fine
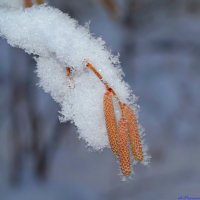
(134, 136)
(28, 3)
(110, 120)
(123, 148)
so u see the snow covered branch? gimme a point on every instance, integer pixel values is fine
(66, 52)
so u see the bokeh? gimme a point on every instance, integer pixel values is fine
(159, 46)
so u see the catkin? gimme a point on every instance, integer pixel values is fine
(28, 3)
(134, 136)
(110, 120)
(123, 148)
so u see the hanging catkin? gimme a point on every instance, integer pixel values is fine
(110, 120)
(123, 149)
(134, 136)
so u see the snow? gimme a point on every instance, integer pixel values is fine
(57, 41)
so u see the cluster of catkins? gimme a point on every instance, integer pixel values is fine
(81, 74)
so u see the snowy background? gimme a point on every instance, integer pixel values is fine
(159, 46)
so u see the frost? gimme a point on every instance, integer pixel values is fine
(57, 42)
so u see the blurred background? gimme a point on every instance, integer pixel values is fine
(159, 46)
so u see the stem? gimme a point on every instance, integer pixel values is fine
(28, 3)
(107, 86)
